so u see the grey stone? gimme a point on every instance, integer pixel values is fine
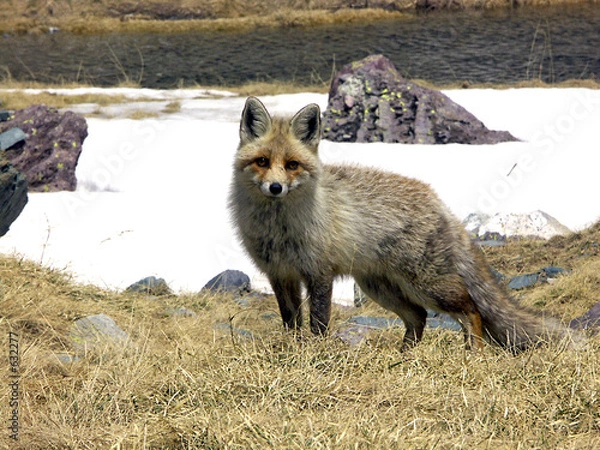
(376, 322)
(369, 101)
(442, 320)
(499, 276)
(359, 327)
(353, 334)
(434, 320)
(11, 137)
(530, 279)
(233, 281)
(589, 320)
(537, 224)
(523, 281)
(473, 221)
(237, 331)
(65, 358)
(553, 271)
(96, 330)
(150, 286)
(180, 311)
(13, 195)
(4, 115)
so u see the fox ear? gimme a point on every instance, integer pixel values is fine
(306, 125)
(256, 121)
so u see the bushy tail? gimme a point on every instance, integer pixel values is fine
(505, 322)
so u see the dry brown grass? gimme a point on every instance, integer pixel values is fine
(19, 100)
(229, 15)
(13, 97)
(181, 383)
(175, 16)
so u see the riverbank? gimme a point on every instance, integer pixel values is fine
(161, 16)
(16, 95)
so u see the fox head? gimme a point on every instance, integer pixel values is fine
(277, 156)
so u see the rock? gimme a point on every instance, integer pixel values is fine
(359, 327)
(353, 334)
(13, 195)
(473, 222)
(11, 137)
(51, 150)
(233, 281)
(543, 276)
(536, 224)
(552, 271)
(499, 276)
(589, 320)
(443, 321)
(4, 115)
(369, 101)
(96, 330)
(233, 330)
(180, 311)
(376, 322)
(66, 358)
(434, 320)
(150, 286)
(523, 281)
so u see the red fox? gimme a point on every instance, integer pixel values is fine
(305, 223)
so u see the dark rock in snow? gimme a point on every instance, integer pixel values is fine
(233, 281)
(49, 154)
(369, 101)
(13, 195)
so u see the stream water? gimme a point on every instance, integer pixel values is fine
(551, 44)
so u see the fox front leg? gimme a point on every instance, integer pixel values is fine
(288, 297)
(320, 291)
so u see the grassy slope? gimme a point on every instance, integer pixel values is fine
(181, 383)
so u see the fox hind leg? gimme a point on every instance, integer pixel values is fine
(390, 296)
(449, 294)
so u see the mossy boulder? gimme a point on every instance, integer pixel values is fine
(369, 101)
(48, 155)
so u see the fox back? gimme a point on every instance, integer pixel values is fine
(305, 223)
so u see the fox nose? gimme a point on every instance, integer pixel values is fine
(276, 188)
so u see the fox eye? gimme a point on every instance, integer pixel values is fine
(292, 165)
(262, 162)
